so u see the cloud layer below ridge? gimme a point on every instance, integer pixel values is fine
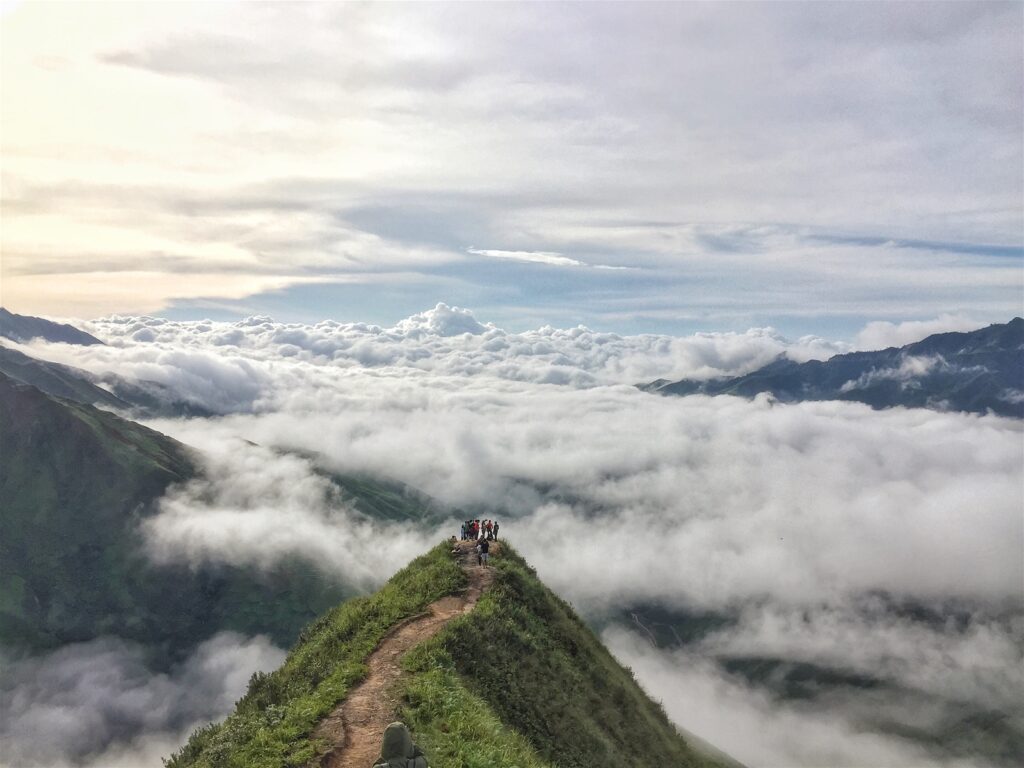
(818, 530)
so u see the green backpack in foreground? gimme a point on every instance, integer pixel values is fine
(398, 749)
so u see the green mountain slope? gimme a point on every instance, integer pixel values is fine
(76, 482)
(518, 681)
(73, 478)
(55, 379)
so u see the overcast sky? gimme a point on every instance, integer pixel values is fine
(662, 167)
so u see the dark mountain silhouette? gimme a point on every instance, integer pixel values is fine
(979, 372)
(23, 328)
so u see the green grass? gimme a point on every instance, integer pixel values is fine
(273, 722)
(519, 682)
(454, 727)
(524, 659)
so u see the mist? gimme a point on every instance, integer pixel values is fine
(814, 527)
(98, 704)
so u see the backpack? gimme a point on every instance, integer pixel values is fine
(404, 762)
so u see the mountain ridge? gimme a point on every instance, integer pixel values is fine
(23, 328)
(518, 680)
(978, 371)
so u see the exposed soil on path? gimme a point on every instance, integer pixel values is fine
(355, 727)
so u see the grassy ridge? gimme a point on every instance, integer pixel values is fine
(273, 722)
(520, 682)
(455, 727)
(526, 657)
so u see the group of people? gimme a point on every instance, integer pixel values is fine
(480, 529)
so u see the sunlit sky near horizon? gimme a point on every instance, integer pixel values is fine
(631, 167)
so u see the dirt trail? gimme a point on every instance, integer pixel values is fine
(356, 725)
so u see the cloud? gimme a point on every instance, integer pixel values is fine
(826, 533)
(971, 657)
(911, 368)
(882, 334)
(351, 140)
(536, 257)
(442, 320)
(98, 704)
(240, 367)
(256, 507)
(761, 498)
(544, 257)
(757, 729)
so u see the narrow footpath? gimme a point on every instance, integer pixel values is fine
(355, 727)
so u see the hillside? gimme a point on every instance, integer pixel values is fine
(511, 678)
(139, 398)
(58, 380)
(978, 372)
(76, 481)
(26, 328)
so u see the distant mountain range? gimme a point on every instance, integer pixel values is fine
(136, 398)
(22, 328)
(139, 399)
(979, 372)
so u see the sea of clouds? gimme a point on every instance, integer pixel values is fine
(804, 523)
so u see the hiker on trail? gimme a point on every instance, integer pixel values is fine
(485, 545)
(462, 532)
(398, 750)
(479, 552)
(495, 530)
(489, 528)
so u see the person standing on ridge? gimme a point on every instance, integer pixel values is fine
(485, 545)
(495, 530)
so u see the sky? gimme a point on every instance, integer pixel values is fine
(661, 168)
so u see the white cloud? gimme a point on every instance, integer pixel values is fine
(911, 367)
(442, 320)
(883, 334)
(789, 517)
(255, 506)
(756, 729)
(256, 364)
(536, 257)
(594, 147)
(98, 704)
